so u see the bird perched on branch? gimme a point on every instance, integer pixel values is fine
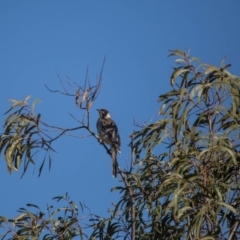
(108, 133)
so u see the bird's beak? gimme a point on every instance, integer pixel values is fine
(98, 110)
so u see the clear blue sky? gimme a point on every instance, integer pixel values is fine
(39, 37)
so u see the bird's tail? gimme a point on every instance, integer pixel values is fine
(114, 162)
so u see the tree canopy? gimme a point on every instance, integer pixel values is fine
(183, 180)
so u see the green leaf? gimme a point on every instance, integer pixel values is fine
(3, 219)
(32, 205)
(41, 167)
(182, 211)
(229, 207)
(33, 105)
(211, 69)
(169, 94)
(178, 53)
(176, 74)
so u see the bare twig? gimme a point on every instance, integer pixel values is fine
(57, 91)
(88, 92)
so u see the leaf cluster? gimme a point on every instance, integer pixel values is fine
(61, 223)
(190, 190)
(22, 137)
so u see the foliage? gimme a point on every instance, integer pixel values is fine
(184, 178)
(61, 223)
(23, 137)
(190, 191)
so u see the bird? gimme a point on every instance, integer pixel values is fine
(108, 133)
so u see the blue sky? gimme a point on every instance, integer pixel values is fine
(38, 38)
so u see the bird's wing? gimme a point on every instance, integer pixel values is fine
(109, 127)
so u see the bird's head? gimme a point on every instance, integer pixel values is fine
(103, 113)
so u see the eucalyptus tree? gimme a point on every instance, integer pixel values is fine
(183, 180)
